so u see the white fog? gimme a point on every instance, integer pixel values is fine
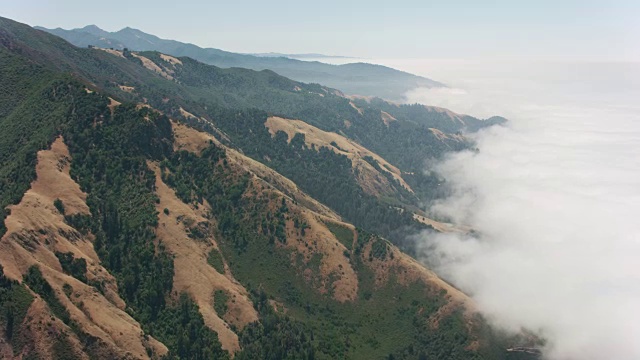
(555, 195)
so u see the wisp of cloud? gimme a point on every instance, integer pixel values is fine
(555, 199)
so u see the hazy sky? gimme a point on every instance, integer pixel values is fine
(593, 30)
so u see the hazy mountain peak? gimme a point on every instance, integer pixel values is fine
(129, 29)
(91, 27)
(94, 30)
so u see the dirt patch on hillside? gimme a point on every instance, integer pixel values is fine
(187, 114)
(359, 97)
(443, 137)
(450, 114)
(36, 229)
(356, 108)
(171, 60)
(441, 226)
(387, 118)
(146, 62)
(193, 274)
(128, 89)
(189, 139)
(370, 179)
(113, 52)
(113, 104)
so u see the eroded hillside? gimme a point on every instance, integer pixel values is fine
(40, 240)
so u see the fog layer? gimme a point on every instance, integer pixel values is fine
(555, 197)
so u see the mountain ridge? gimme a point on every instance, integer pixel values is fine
(360, 78)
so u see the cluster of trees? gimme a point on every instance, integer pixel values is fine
(276, 336)
(15, 300)
(76, 267)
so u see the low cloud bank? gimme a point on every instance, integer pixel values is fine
(555, 197)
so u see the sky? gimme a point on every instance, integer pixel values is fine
(560, 30)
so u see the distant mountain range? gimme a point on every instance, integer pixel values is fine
(301, 56)
(353, 79)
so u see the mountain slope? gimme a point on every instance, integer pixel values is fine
(359, 78)
(175, 216)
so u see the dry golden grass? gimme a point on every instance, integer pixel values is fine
(43, 330)
(112, 105)
(189, 139)
(318, 239)
(371, 181)
(387, 118)
(442, 136)
(441, 226)
(113, 52)
(187, 114)
(36, 230)
(335, 270)
(359, 97)
(128, 89)
(356, 107)
(153, 67)
(450, 114)
(171, 60)
(273, 180)
(193, 274)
